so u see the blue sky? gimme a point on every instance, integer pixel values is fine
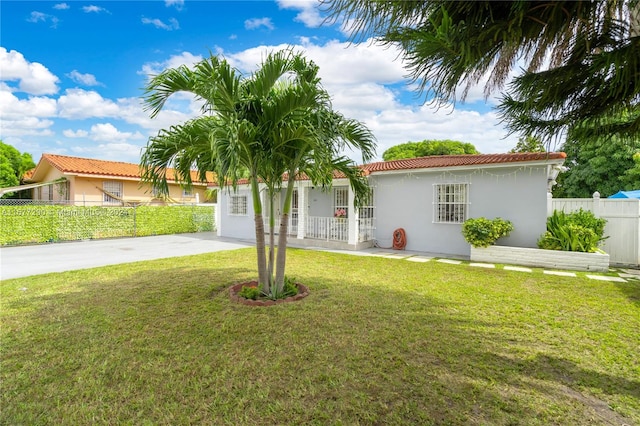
(71, 73)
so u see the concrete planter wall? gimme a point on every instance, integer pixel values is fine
(542, 258)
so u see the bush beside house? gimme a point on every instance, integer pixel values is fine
(570, 242)
(483, 232)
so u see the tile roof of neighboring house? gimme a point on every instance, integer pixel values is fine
(89, 166)
(28, 174)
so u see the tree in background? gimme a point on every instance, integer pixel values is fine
(529, 144)
(276, 122)
(594, 164)
(591, 50)
(428, 147)
(13, 166)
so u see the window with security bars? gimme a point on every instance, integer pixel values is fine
(450, 202)
(112, 192)
(341, 202)
(366, 211)
(237, 205)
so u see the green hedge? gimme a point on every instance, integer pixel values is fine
(38, 224)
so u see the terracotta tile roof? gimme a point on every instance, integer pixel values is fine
(437, 161)
(89, 166)
(28, 174)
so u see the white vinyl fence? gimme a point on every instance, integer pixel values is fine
(623, 224)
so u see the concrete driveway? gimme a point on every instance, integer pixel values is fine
(23, 261)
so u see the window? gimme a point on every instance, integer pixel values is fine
(237, 205)
(450, 201)
(341, 202)
(367, 210)
(46, 193)
(187, 193)
(112, 192)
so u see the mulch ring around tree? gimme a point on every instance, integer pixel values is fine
(303, 291)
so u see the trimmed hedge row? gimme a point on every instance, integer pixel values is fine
(39, 224)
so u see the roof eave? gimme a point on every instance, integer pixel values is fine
(546, 162)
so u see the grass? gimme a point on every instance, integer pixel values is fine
(378, 341)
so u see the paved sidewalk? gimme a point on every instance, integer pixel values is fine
(23, 261)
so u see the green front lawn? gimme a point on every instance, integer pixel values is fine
(378, 341)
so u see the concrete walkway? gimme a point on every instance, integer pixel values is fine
(23, 261)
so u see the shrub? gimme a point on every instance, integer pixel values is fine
(578, 231)
(48, 223)
(249, 292)
(290, 288)
(483, 232)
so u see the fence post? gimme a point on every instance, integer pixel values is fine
(549, 204)
(596, 204)
(135, 221)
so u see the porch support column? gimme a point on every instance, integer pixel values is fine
(353, 219)
(303, 195)
(219, 206)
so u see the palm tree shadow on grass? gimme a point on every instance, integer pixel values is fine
(631, 290)
(403, 356)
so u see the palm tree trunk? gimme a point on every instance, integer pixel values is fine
(260, 244)
(634, 20)
(282, 238)
(272, 242)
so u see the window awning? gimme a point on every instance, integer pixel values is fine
(9, 189)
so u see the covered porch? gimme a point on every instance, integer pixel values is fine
(321, 218)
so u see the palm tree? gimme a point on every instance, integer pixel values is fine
(276, 122)
(591, 49)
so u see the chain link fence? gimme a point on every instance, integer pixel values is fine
(27, 221)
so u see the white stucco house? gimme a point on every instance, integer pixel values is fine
(429, 197)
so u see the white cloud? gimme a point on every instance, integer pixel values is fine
(36, 17)
(85, 79)
(79, 104)
(94, 9)
(33, 78)
(172, 25)
(403, 124)
(363, 80)
(255, 23)
(25, 126)
(108, 143)
(178, 4)
(340, 63)
(309, 13)
(12, 108)
(115, 151)
(179, 108)
(75, 134)
(185, 58)
(61, 6)
(107, 132)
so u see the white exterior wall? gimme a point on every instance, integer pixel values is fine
(515, 193)
(232, 225)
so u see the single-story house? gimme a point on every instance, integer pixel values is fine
(627, 194)
(429, 197)
(86, 181)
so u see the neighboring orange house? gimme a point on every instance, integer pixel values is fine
(99, 182)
